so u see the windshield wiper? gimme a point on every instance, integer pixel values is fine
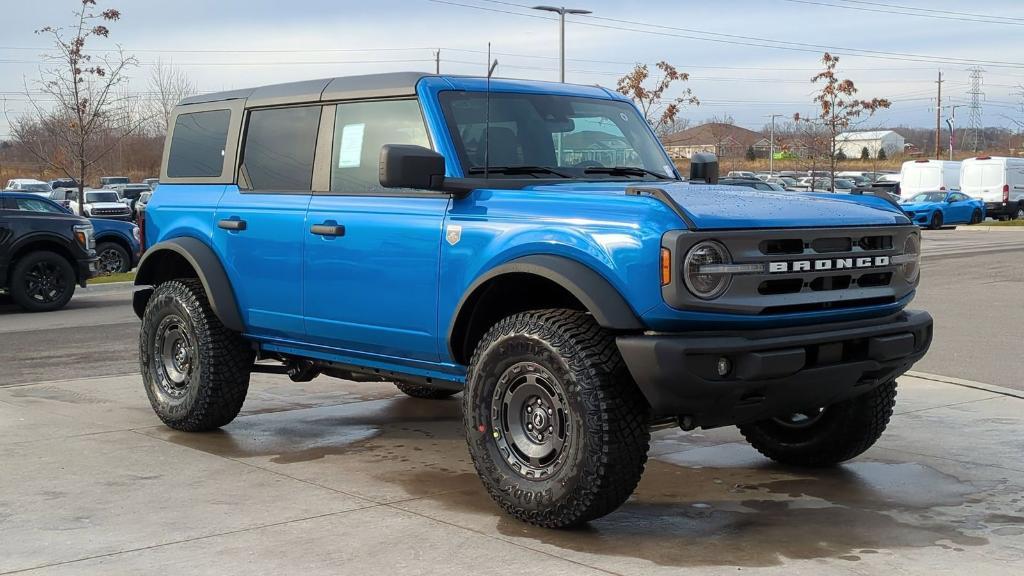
(625, 171)
(518, 170)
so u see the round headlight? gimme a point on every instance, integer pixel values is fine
(911, 267)
(706, 286)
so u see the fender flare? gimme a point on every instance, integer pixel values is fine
(209, 271)
(593, 290)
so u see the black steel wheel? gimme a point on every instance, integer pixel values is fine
(557, 429)
(195, 371)
(113, 259)
(825, 436)
(42, 282)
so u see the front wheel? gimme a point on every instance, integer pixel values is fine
(556, 428)
(936, 222)
(113, 258)
(42, 282)
(825, 436)
(195, 371)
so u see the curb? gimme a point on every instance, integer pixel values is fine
(977, 228)
(108, 287)
(967, 384)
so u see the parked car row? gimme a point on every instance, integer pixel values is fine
(117, 199)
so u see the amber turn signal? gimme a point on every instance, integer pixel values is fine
(666, 266)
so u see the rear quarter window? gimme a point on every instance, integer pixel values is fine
(197, 144)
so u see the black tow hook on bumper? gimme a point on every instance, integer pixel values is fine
(723, 378)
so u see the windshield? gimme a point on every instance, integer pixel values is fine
(928, 197)
(94, 197)
(550, 136)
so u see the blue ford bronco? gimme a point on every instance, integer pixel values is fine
(532, 246)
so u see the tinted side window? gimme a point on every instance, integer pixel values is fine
(197, 146)
(33, 205)
(279, 147)
(360, 130)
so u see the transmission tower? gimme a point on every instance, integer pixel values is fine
(975, 137)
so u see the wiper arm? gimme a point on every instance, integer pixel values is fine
(625, 170)
(518, 170)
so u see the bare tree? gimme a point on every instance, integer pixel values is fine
(838, 107)
(169, 85)
(659, 110)
(77, 131)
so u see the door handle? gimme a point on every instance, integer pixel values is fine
(328, 230)
(232, 224)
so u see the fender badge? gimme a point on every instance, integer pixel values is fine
(453, 235)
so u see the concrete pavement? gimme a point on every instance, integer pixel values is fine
(333, 477)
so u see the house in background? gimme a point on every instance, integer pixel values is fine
(724, 140)
(851, 144)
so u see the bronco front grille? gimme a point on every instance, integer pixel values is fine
(801, 270)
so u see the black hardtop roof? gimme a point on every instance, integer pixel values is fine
(342, 88)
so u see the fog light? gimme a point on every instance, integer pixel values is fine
(724, 366)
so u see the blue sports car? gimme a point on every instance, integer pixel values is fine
(936, 209)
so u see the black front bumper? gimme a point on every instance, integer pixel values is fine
(772, 372)
(86, 269)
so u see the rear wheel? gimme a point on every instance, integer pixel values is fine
(1019, 214)
(976, 217)
(825, 436)
(195, 371)
(42, 281)
(936, 222)
(427, 393)
(556, 428)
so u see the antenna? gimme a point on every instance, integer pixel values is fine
(487, 112)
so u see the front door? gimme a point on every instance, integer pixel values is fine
(372, 254)
(260, 223)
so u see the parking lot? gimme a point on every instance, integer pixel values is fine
(339, 477)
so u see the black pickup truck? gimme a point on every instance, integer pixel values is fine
(43, 255)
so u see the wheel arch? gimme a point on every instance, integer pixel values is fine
(532, 282)
(187, 257)
(37, 242)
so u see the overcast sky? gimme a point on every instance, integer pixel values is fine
(234, 43)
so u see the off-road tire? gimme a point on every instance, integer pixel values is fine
(427, 393)
(115, 250)
(843, 431)
(220, 360)
(606, 419)
(936, 221)
(19, 281)
(976, 217)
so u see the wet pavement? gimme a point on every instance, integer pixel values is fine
(333, 477)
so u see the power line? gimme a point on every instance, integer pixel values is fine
(889, 10)
(738, 40)
(969, 14)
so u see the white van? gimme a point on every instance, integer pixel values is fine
(998, 181)
(928, 176)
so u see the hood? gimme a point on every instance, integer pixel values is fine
(712, 207)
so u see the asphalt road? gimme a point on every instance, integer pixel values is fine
(973, 284)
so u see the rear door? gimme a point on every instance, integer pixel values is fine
(260, 223)
(371, 254)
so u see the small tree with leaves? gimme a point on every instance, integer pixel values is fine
(659, 109)
(838, 106)
(751, 154)
(840, 156)
(83, 125)
(865, 154)
(881, 154)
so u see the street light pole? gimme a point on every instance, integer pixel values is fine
(561, 11)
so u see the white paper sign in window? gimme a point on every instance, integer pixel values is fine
(351, 149)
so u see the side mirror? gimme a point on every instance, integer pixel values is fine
(704, 167)
(407, 166)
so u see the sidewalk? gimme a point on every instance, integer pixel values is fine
(332, 477)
